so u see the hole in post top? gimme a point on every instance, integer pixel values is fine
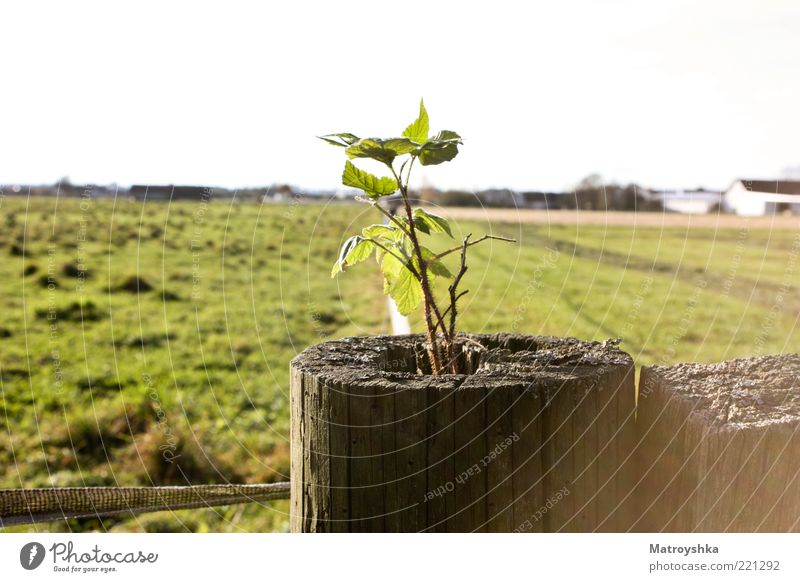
(411, 356)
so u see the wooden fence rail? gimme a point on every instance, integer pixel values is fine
(24, 506)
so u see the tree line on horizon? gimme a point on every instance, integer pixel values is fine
(591, 193)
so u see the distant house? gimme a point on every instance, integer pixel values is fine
(763, 197)
(698, 201)
(279, 194)
(100, 191)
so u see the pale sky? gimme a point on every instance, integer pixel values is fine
(666, 94)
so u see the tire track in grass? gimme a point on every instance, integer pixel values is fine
(759, 292)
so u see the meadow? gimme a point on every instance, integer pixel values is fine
(148, 342)
(671, 294)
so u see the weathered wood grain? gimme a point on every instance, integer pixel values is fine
(498, 461)
(512, 446)
(469, 438)
(410, 458)
(719, 448)
(528, 478)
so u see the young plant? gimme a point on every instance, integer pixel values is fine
(410, 269)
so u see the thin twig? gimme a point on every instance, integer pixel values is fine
(454, 285)
(476, 241)
(449, 307)
(452, 359)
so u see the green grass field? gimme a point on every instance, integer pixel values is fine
(670, 294)
(167, 362)
(149, 343)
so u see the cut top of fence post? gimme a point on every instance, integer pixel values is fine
(720, 446)
(734, 395)
(388, 360)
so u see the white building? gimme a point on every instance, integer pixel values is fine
(688, 201)
(763, 197)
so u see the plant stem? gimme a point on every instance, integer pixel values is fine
(452, 309)
(446, 311)
(391, 218)
(454, 286)
(452, 357)
(430, 307)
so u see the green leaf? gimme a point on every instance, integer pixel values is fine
(354, 250)
(370, 148)
(360, 252)
(372, 186)
(406, 292)
(447, 136)
(435, 266)
(400, 284)
(391, 266)
(381, 150)
(418, 130)
(379, 230)
(443, 147)
(348, 246)
(400, 145)
(339, 139)
(434, 157)
(439, 269)
(384, 231)
(431, 223)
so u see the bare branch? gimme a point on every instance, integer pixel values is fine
(454, 285)
(452, 309)
(476, 241)
(449, 307)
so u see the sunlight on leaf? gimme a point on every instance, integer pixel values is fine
(354, 250)
(373, 186)
(435, 266)
(443, 147)
(384, 151)
(430, 223)
(339, 139)
(418, 130)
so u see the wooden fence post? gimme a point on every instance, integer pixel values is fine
(719, 446)
(535, 438)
